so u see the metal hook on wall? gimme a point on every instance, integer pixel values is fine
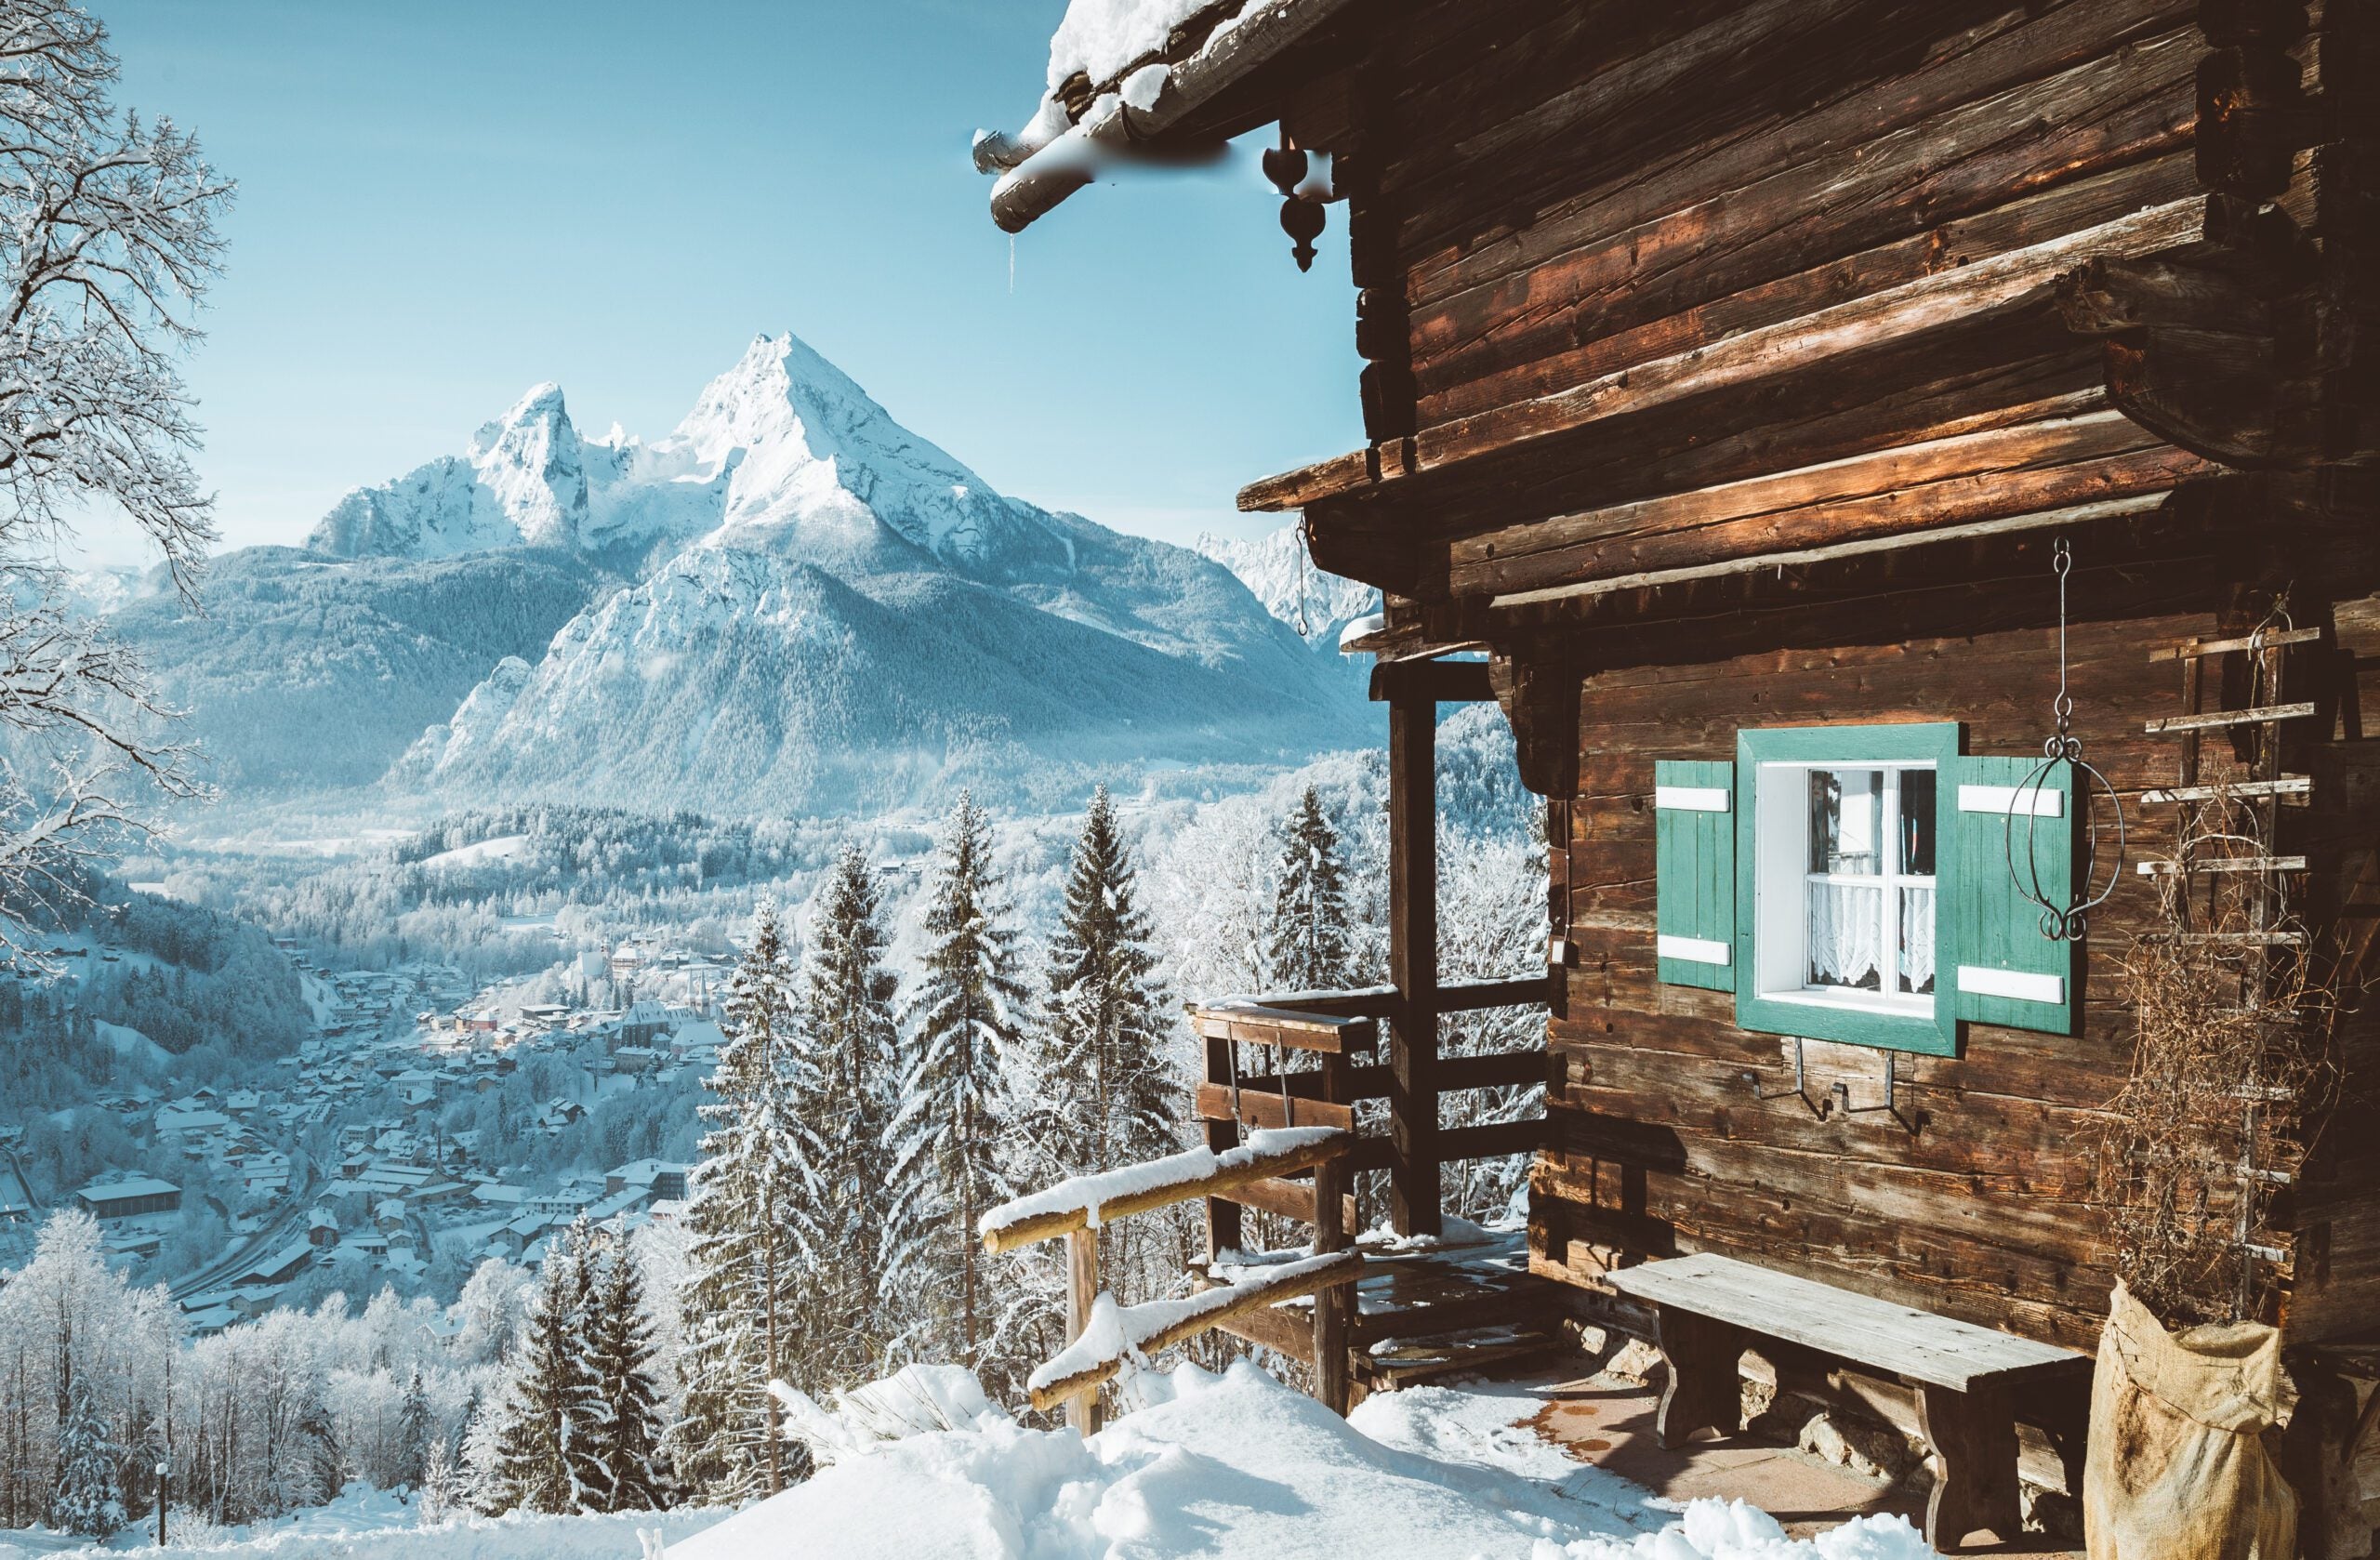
(1801, 1084)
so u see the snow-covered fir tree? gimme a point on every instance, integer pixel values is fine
(737, 1302)
(415, 1429)
(1107, 1091)
(953, 1126)
(89, 1501)
(441, 1483)
(627, 1427)
(550, 1410)
(1310, 940)
(845, 1080)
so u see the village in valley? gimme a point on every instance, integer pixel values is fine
(387, 1194)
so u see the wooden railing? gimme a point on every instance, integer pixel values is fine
(1343, 1029)
(1102, 1336)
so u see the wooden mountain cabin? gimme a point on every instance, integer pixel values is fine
(1779, 406)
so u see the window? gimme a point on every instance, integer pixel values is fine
(1851, 883)
(1846, 885)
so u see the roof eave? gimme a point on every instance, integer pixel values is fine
(1147, 107)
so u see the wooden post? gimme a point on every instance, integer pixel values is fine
(1413, 959)
(1702, 1393)
(1082, 1289)
(1222, 1214)
(1333, 1307)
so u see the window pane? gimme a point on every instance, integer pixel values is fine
(1846, 935)
(1917, 822)
(1917, 941)
(1846, 821)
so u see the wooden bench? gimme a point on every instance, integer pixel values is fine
(1709, 1309)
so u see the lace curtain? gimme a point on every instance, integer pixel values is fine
(1846, 934)
(1917, 938)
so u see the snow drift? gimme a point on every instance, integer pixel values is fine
(1229, 1466)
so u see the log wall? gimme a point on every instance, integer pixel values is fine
(1977, 1200)
(1731, 363)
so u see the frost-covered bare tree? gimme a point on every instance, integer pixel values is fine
(108, 241)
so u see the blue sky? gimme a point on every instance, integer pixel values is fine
(442, 204)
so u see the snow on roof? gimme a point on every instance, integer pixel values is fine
(1098, 38)
(1123, 72)
(1362, 628)
(130, 1186)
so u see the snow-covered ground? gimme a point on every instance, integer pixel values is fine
(1238, 1465)
(367, 1524)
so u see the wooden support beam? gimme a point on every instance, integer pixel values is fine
(1333, 1307)
(1261, 1023)
(1222, 1215)
(1082, 1290)
(1492, 1141)
(1296, 1279)
(1413, 964)
(1030, 1225)
(1261, 1107)
(1520, 991)
(1444, 682)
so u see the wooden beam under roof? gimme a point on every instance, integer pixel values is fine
(1950, 298)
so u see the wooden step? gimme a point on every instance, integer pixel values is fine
(2288, 784)
(2189, 650)
(2223, 864)
(2260, 715)
(1395, 1362)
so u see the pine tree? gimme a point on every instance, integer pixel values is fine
(843, 1081)
(441, 1494)
(619, 1356)
(88, 1500)
(736, 1304)
(550, 1407)
(1309, 941)
(1109, 1095)
(415, 1429)
(954, 1114)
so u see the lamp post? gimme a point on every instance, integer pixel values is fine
(161, 1503)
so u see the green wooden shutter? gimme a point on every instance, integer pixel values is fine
(1695, 872)
(1994, 964)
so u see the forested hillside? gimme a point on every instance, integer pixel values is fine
(304, 674)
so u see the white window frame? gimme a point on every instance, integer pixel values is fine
(1779, 966)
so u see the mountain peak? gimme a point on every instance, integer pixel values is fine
(783, 451)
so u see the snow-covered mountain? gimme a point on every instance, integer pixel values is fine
(782, 451)
(1275, 567)
(788, 603)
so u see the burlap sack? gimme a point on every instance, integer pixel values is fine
(2180, 1467)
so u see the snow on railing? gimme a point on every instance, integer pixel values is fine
(1102, 1336)
(1088, 1201)
(1115, 1335)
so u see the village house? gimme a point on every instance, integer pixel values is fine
(128, 1197)
(1906, 475)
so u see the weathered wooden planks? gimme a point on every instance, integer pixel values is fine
(1915, 1344)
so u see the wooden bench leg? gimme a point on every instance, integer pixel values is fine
(1704, 1392)
(1974, 1435)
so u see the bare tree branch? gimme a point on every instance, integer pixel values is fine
(108, 241)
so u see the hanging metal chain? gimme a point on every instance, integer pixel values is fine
(1305, 557)
(2062, 922)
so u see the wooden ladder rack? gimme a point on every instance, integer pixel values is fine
(2263, 791)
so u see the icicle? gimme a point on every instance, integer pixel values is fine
(1011, 265)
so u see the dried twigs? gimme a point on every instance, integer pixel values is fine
(2234, 1010)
